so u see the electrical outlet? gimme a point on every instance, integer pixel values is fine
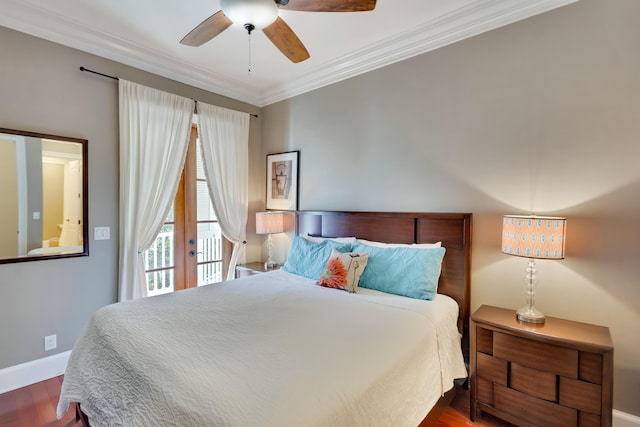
(50, 342)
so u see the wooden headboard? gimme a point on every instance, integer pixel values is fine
(452, 229)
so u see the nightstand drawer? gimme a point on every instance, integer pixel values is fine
(485, 391)
(540, 384)
(245, 272)
(493, 369)
(535, 354)
(586, 419)
(590, 367)
(580, 395)
(533, 410)
(251, 269)
(485, 340)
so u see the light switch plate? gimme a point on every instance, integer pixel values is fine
(101, 233)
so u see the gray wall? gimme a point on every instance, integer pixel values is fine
(542, 116)
(43, 91)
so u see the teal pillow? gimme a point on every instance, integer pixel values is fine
(406, 271)
(308, 259)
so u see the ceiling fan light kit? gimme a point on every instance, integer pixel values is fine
(257, 13)
(263, 15)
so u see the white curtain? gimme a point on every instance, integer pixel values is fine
(154, 136)
(224, 137)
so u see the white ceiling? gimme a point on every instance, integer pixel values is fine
(145, 34)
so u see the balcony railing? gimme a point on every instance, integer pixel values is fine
(159, 261)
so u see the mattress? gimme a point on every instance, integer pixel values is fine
(267, 350)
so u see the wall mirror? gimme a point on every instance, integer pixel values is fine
(43, 186)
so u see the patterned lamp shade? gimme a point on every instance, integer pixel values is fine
(269, 222)
(534, 236)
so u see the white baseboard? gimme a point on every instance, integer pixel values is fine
(28, 373)
(622, 419)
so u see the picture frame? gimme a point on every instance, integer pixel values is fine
(282, 181)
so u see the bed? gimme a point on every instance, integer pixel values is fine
(275, 349)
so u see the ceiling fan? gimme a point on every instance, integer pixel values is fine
(263, 15)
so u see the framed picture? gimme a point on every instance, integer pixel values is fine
(282, 181)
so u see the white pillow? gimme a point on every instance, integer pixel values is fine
(400, 245)
(317, 239)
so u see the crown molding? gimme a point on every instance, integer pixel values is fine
(30, 18)
(465, 22)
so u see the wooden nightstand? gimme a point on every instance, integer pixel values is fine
(251, 268)
(559, 373)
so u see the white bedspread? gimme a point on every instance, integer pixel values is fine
(266, 350)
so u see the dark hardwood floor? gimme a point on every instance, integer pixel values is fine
(457, 414)
(35, 406)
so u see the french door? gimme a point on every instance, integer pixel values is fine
(190, 250)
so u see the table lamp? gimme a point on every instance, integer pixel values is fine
(269, 223)
(533, 237)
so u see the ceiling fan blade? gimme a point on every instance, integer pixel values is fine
(283, 37)
(208, 29)
(330, 5)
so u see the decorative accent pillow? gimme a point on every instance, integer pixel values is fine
(407, 271)
(343, 270)
(308, 259)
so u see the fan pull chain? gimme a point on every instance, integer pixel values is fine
(249, 71)
(249, 28)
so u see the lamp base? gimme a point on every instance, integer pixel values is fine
(270, 265)
(530, 315)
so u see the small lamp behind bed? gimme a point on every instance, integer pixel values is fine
(533, 237)
(269, 223)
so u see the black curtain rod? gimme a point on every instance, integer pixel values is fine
(116, 78)
(100, 74)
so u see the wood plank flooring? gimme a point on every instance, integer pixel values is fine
(35, 406)
(457, 414)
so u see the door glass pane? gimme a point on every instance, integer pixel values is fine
(209, 233)
(160, 281)
(209, 242)
(209, 273)
(199, 164)
(160, 263)
(205, 207)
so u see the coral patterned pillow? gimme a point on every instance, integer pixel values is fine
(343, 270)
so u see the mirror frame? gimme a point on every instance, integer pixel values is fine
(85, 198)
